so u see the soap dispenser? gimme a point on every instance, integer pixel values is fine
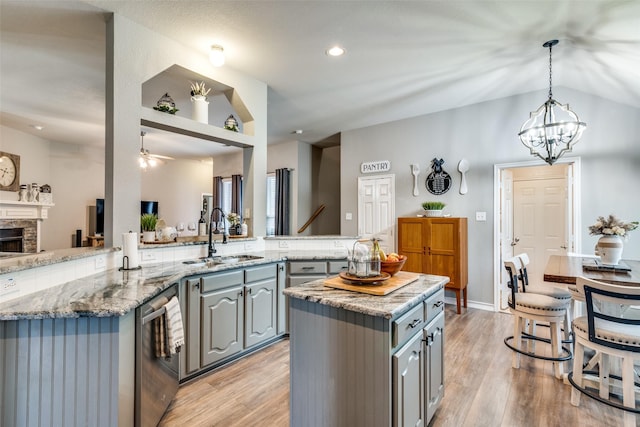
(244, 228)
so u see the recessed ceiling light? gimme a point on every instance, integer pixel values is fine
(37, 127)
(335, 51)
(216, 55)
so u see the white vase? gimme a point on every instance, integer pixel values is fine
(610, 249)
(148, 236)
(200, 109)
(433, 213)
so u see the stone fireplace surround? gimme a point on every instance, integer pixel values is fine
(26, 215)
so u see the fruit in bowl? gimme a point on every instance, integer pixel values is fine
(392, 263)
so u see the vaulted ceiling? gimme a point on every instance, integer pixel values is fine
(404, 58)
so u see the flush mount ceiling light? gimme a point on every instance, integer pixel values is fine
(216, 55)
(335, 51)
(552, 129)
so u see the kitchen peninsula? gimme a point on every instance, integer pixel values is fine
(359, 360)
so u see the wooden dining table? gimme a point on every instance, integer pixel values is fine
(565, 269)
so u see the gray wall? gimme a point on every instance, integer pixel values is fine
(486, 134)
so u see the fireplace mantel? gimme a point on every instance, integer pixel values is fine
(24, 210)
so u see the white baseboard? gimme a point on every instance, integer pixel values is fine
(471, 304)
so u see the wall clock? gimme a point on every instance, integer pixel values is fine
(438, 181)
(9, 171)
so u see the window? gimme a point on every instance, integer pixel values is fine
(271, 204)
(226, 195)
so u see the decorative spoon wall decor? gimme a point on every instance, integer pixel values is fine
(463, 168)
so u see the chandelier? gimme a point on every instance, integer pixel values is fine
(552, 129)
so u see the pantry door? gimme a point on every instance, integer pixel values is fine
(376, 209)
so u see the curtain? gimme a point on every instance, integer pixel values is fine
(217, 197)
(236, 194)
(282, 219)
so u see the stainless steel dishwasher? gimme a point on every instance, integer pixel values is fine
(156, 377)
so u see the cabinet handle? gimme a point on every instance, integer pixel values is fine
(415, 323)
(249, 290)
(196, 285)
(308, 268)
(424, 250)
(438, 304)
(240, 294)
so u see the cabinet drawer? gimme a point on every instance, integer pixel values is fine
(310, 267)
(221, 280)
(263, 272)
(407, 325)
(336, 267)
(434, 305)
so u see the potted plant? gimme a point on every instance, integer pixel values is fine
(148, 223)
(200, 112)
(234, 223)
(433, 209)
(612, 230)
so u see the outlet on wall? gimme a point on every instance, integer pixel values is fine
(481, 216)
(283, 244)
(8, 286)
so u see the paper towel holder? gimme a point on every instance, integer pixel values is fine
(125, 265)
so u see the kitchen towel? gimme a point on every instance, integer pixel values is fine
(160, 335)
(175, 330)
(130, 250)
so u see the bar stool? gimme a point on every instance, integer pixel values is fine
(549, 290)
(534, 308)
(611, 328)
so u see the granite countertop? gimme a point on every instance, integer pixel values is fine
(115, 293)
(112, 292)
(20, 261)
(387, 306)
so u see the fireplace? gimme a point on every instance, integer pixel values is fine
(11, 239)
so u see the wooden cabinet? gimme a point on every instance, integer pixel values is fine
(228, 313)
(437, 246)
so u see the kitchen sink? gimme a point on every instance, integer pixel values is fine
(217, 260)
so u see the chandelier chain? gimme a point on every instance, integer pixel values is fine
(550, 71)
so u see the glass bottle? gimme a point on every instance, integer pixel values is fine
(374, 262)
(202, 224)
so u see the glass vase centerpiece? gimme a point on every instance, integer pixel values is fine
(612, 231)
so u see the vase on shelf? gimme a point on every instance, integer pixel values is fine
(200, 109)
(610, 249)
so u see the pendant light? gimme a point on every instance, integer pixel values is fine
(553, 129)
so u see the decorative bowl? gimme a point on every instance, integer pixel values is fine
(392, 267)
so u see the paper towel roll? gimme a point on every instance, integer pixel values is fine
(130, 250)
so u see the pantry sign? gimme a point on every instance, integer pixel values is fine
(379, 166)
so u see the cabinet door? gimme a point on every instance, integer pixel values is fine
(412, 243)
(191, 319)
(260, 315)
(442, 238)
(408, 384)
(222, 332)
(434, 384)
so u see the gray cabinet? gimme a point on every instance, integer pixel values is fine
(393, 367)
(229, 312)
(222, 332)
(408, 384)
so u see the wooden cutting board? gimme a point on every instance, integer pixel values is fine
(402, 278)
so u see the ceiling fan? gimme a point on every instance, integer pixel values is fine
(147, 159)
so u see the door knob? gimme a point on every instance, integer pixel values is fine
(515, 241)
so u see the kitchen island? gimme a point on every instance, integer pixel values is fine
(359, 359)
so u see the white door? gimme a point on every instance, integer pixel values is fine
(540, 221)
(506, 232)
(376, 209)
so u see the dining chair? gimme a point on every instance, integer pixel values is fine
(532, 307)
(546, 289)
(612, 329)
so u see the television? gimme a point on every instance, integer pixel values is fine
(149, 207)
(99, 217)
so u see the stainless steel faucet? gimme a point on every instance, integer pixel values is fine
(212, 246)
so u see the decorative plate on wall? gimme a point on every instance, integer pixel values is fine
(438, 181)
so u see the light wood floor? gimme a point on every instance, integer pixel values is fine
(481, 388)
